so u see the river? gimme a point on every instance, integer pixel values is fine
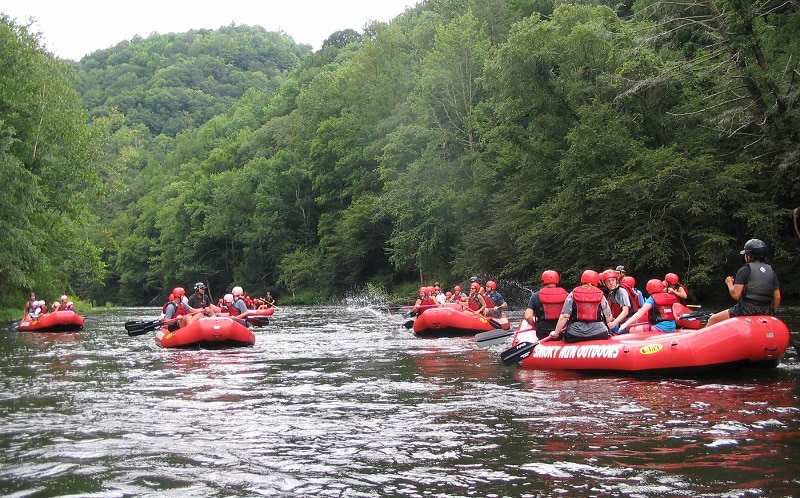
(343, 401)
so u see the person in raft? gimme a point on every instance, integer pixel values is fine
(30, 304)
(475, 301)
(657, 308)
(199, 299)
(618, 299)
(238, 308)
(586, 312)
(755, 286)
(183, 313)
(674, 286)
(544, 306)
(495, 302)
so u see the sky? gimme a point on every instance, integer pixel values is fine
(72, 29)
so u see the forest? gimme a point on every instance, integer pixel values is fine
(496, 138)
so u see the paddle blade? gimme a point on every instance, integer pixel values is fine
(492, 337)
(408, 324)
(519, 352)
(140, 327)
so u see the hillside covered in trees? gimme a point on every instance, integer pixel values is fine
(490, 137)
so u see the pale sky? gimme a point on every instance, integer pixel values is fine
(71, 29)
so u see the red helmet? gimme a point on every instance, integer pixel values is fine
(654, 285)
(609, 274)
(475, 285)
(629, 281)
(491, 284)
(671, 278)
(178, 292)
(590, 277)
(550, 277)
(423, 290)
(457, 288)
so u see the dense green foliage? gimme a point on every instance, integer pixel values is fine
(489, 137)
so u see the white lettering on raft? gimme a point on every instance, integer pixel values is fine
(589, 351)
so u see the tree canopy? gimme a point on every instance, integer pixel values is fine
(492, 137)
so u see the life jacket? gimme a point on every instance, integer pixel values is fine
(586, 305)
(180, 309)
(551, 301)
(428, 301)
(489, 301)
(616, 308)
(759, 284)
(473, 303)
(662, 311)
(633, 297)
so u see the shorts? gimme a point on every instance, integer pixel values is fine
(577, 338)
(750, 308)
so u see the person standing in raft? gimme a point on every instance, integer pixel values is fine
(755, 286)
(544, 306)
(657, 307)
(586, 313)
(618, 299)
(199, 299)
(31, 303)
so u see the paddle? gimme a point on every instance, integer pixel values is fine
(139, 327)
(519, 352)
(13, 324)
(492, 337)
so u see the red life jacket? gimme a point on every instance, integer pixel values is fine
(428, 301)
(552, 299)
(586, 306)
(663, 308)
(632, 296)
(473, 303)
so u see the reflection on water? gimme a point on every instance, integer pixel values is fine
(337, 401)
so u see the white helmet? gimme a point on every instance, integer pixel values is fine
(237, 291)
(228, 298)
(64, 298)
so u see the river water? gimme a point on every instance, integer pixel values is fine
(345, 402)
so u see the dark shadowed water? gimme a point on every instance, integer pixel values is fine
(344, 401)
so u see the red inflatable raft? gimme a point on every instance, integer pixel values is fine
(207, 332)
(750, 341)
(58, 321)
(450, 321)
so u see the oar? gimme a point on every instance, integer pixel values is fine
(13, 324)
(493, 337)
(519, 352)
(140, 328)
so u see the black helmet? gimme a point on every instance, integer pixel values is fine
(198, 286)
(756, 247)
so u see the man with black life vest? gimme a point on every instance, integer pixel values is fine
(755, 286)
(544, 306)
(586, 313)
(618, 299)
(658, 309)
(495, 302)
